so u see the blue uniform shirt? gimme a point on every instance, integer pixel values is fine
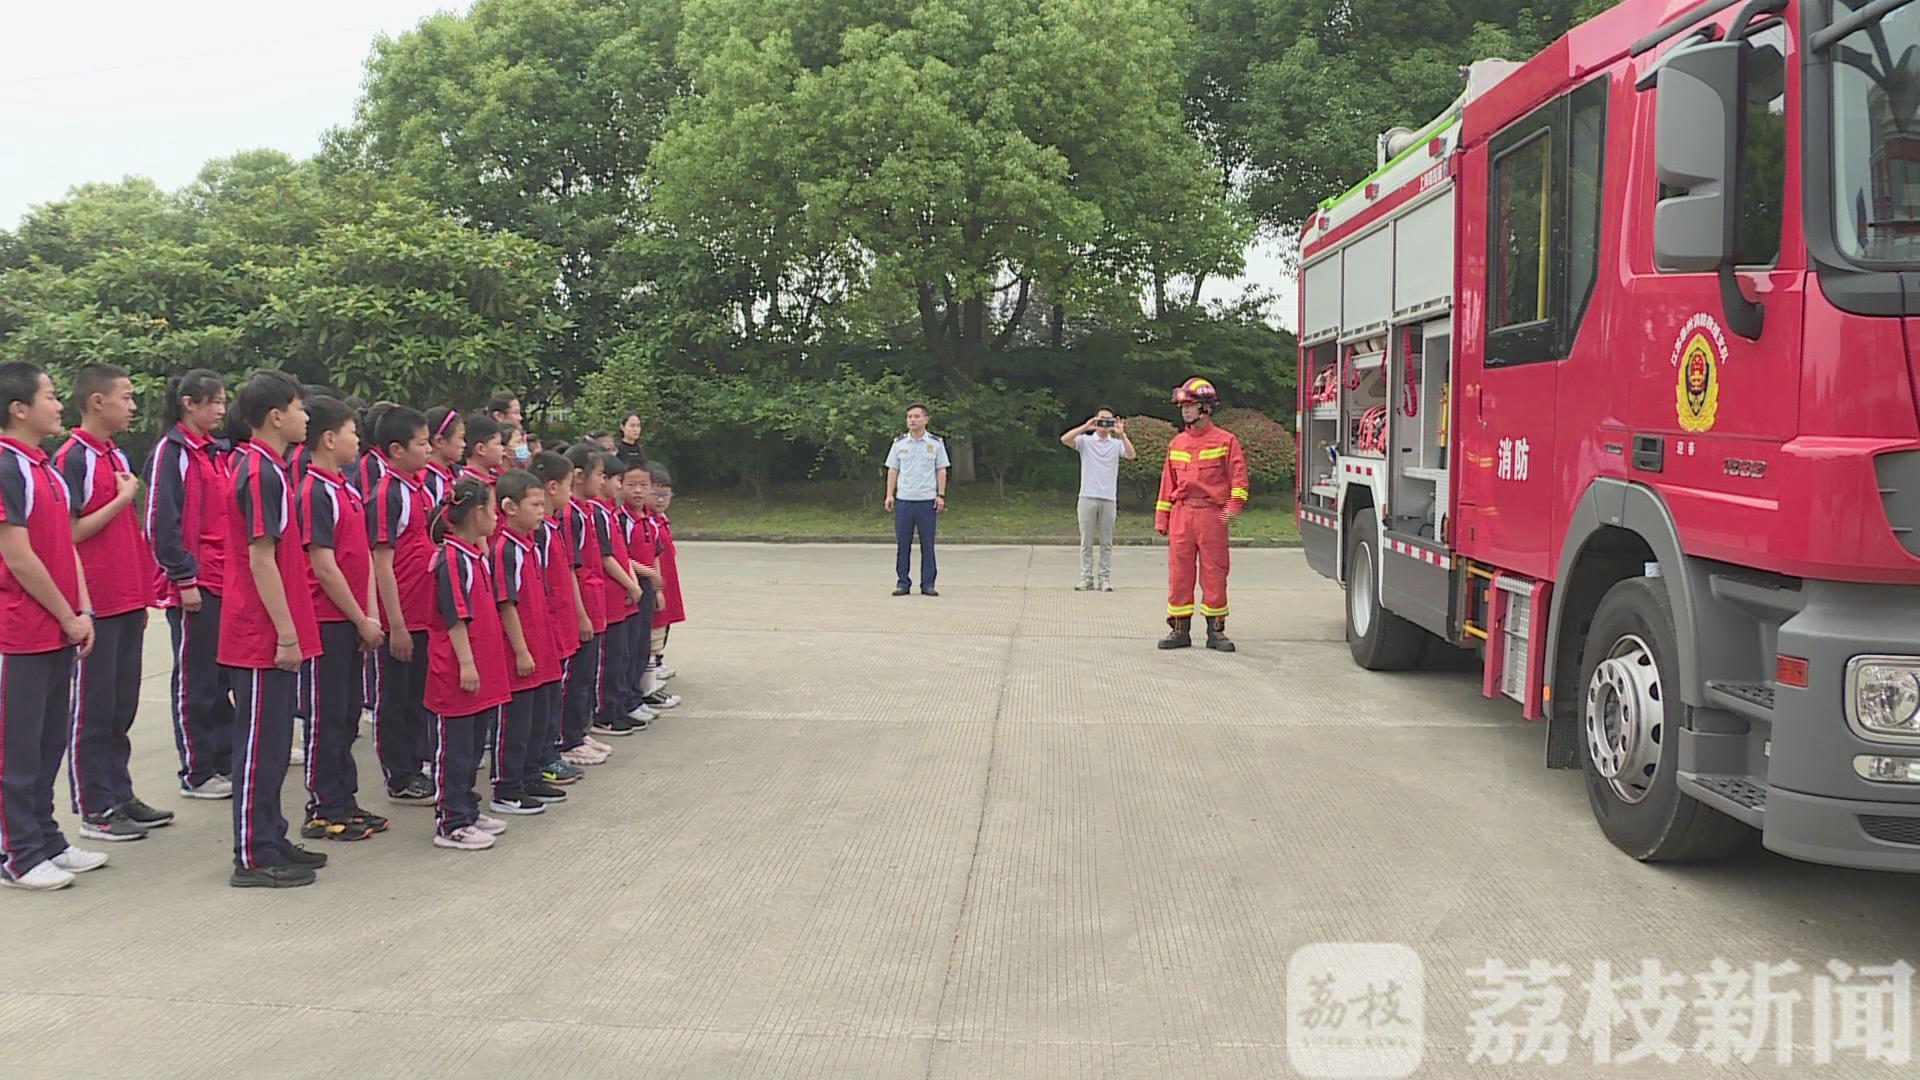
(918, 461)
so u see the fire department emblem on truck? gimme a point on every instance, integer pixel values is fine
(1698, 354)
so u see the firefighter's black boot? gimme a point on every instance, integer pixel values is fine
(1217, 634)
(1182, 634)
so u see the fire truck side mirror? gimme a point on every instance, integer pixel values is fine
(1696, 148)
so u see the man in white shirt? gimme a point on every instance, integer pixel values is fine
(917, 467)
(1101, 443)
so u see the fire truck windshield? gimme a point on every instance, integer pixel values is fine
(1876, 135)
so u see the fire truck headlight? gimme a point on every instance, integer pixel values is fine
(1883, 697)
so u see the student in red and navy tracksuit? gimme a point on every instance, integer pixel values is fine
(467, 675)
(446, 445)
(520, 585)
(267, 631)
(486, 449)
(335, 526)
(572, 627)
(583, 674)
(44, 621)
(669, 609)
(362, 478)
(119, 569)
(643, 547)
(188, 478)
(398, 515)
(623, 603)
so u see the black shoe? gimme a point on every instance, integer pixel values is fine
(902, 591)
(344, 829)
(929, 592)
(374, 822)
(416, 791)
(111, 826)
(1217, 635)
(619, 725)
(547, 793)
(299, 856)
(277, 876)
(145, 815)
(1181, 634)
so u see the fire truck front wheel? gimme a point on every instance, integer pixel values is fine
(1378, 639)
(1630, 724)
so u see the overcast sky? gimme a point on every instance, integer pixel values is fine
(114, 88)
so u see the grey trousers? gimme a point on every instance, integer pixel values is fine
(1096, 523)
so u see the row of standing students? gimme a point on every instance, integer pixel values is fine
(517, 610)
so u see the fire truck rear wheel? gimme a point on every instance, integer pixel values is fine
(1630, 720)
(1378, 639)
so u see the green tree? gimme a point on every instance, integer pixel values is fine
(930, 163)
(534, 117)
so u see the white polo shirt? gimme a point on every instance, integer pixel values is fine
(919, 461)
(1099, 465)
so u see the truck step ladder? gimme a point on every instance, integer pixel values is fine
(1515, 635)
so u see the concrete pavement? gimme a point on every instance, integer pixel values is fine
(989, 834)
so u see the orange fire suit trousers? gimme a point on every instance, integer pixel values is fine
(1197, 534)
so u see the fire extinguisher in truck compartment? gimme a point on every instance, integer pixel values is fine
(1655, 454)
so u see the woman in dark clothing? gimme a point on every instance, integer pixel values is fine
(627, 441)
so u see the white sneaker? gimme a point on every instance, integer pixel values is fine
(298, 756)
(45, 877)
(641, 712)
(78, 861)
(596, 744)
(1105, 585)
(663, 700)
(663, 672)
(467, 838)
(492, 826)
(1086, 585)
(213, 787)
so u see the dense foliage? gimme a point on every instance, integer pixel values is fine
(767, 225)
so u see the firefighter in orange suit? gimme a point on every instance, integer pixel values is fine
(1203, 485)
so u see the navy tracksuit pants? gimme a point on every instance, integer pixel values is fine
(615, 652)
(543, 735)
(456, 759)
(104, 697)
(33, 735)
(513, 743)
(582, 693)
(401, 724)
(203, 711)
(264, 701)
(333, 711)
(640, 647)
(910, 515)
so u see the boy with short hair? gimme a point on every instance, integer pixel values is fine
(397, 516)
(583, 675)
(643, 549)
(669, 610)
(571, 626)
(335, 527)
(486, 449)
(520, 586)
(118, 566)
(45, 618)
(623, 596)
(267, 631)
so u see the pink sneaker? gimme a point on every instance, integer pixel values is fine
(467, 838)
(597, 744)
(492, 826)
(580, 755)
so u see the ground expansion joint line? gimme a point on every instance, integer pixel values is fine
(980, 826)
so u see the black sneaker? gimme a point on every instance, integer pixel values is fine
(523, 806)
(374, 822)
(547, 793)
(929, 592)
(416, 791)
(277, 876)
(619, 725)
(299, 856)
(146, 815)
(324, 829)
(902, 591)
(111, 826)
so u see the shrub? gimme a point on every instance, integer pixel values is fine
(1150, 436)
(1269, 448)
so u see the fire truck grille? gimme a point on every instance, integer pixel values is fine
(1893, 830)
(1899, 476)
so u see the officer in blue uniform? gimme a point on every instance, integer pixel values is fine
(916, 491)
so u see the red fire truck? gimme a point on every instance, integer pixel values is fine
(1611, 373)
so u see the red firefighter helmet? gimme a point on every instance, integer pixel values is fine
(1196, 391)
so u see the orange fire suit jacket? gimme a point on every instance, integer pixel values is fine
(1207, 468)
